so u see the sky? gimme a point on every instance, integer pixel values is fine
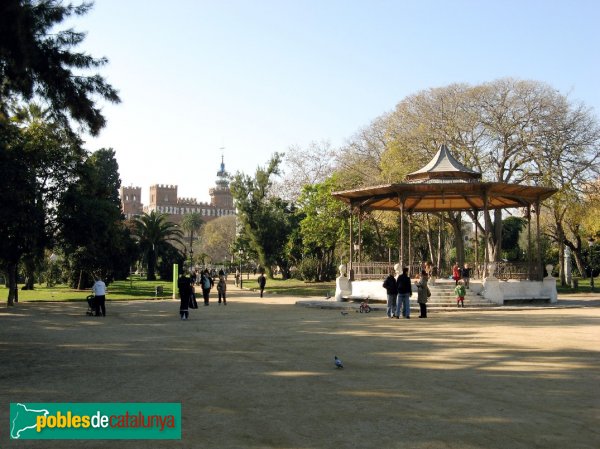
(245, 79)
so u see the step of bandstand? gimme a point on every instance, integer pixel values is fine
(443, 297)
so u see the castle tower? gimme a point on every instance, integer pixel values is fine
(131, 201)
(220, 195)
(163, 198)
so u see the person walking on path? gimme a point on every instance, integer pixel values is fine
(404, 294)
(460, 293)
(184, 285)
(262, 281)
(423, 294)
(392, 292)
(206, 283)
(99, 291)
(222, 288)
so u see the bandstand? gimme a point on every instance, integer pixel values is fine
(445, 185)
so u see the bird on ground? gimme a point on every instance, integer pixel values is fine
(344, 313)
(338, 362)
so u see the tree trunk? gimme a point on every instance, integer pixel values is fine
(576, 253)
(13, 291)
(561, 263)
(429, 241)
(151, 276)
(456, 223)
(80, 280)
(29, 265)
(496, 237)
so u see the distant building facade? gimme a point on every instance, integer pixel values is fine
(164, 199)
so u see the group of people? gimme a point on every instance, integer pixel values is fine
(187, 291)
(399, 290)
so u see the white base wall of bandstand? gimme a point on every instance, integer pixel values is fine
(499, 291)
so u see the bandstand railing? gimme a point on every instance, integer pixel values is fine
(503, 270)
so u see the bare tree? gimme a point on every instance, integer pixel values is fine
(304, 166)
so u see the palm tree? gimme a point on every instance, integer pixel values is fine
(154, 233)
(192, 223)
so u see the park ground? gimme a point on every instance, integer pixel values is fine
(259, 373)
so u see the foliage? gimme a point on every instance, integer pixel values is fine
(510, 130)
(36, 59)
(192, 223)
(38, 157)
(92, 233)
(512, 227)
(266, 221)
(155, 236)
(217, 237)
(322, 227)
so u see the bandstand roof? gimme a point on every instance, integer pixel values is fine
(434, 197)
(444, 184)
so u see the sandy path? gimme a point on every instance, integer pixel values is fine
(260, 373)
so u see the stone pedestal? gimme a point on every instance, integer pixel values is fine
(343, 286)
(549, 285)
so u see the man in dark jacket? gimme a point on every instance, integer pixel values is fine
(392, 292)
(404, 294)
(184, 284)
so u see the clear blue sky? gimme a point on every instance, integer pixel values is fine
(259, 76)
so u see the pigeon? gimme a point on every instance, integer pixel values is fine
(344, 313)
(338, 362)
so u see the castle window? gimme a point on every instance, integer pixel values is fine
(126, 197)
(166, 198)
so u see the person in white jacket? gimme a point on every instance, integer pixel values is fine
(99, 291)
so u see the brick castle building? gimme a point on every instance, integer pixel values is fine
(164, 199)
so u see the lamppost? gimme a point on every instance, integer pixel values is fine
(191, 259)
(591, 243)
(241, 256)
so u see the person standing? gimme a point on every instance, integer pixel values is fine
(222, 288)
(460, 293)
(207, 283)
(455, 273)
(184, 284)
(99, 291)
(423, 294)
(262, 281)
(404, 294)
(466, 275)
(392, 292)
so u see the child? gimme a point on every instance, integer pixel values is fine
(460, 293)
(222, 288)
(455, 273)
(466, 275)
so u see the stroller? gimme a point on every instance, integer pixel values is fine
(91, 305)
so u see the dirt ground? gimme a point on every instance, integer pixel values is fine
(259, 373)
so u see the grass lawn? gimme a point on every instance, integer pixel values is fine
(138, 288)
(584, 286)
(130, 289)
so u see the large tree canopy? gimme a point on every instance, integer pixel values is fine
(511, 130)
(266, 221)
(93, 235)
(38, 61)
